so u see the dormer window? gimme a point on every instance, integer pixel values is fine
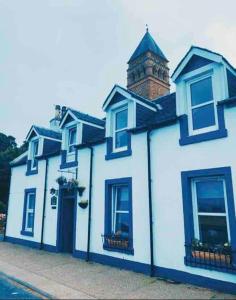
(120, 129)
(71, 139)
(203, 116)
(35, 147)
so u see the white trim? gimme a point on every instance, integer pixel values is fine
(128, 97)
(28, 135)
(78, 120)
(195, 207)
(114, 130)
(192, 131)
(19, 157)
(28, 211)
(199, 52)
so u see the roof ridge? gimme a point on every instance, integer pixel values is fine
(86, 114)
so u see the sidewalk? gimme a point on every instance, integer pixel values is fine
(65, 277)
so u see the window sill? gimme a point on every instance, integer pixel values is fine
(208, 265)
(114, 155)
(67, 164)
(129, 251)
(207, 136)
(27, 233)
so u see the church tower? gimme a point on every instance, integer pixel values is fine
(148, 72)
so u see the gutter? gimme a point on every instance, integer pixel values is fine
(90, 203)
(44, 203)
(150, 203)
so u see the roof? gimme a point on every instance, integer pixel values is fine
(87, 118)
(147, 44)
(134, 95)
(46, 132)
(203, 49)
(20, 160)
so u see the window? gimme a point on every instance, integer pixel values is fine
(120, 210)
(120, 129)
(71, 139)
(210, 211)
(209, 219)
(35, 146)
(202, 105)
(29, 212)
(118, 216)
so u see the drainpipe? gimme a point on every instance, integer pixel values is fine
(44, 203)
(5, 226)
(90, 202)
(150, 202)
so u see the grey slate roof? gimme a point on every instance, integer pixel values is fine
(204, 49)
(48, 132)
(147, 44)
(87, 118)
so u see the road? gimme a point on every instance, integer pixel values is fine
(11, 290)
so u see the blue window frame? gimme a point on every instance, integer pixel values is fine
(209, 218)
(118, 215)
(29, 212)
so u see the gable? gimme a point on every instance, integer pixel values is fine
(194, 63)
(116, 99)
(68, 119)
(32, 135)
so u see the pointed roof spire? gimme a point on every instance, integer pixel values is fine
(147, 44)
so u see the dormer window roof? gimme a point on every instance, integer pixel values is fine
(44, 132)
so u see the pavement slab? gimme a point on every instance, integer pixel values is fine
(65, 277)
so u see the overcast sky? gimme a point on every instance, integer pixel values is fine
(72, 52)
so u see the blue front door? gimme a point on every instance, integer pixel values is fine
(67, 221)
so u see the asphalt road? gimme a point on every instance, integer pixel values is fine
(11, 290)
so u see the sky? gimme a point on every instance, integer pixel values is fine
(72, 52)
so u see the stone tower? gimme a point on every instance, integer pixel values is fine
(148, 73)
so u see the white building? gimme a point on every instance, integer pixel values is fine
(149, 188)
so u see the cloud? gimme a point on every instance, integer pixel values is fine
(222, 36)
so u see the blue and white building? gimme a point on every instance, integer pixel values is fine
(151, 187)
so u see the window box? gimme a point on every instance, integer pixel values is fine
(115, 242)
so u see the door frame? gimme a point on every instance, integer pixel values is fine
(60, 218)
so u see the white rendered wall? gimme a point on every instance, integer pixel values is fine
(134, 166)
(168, 160)
(20, 182)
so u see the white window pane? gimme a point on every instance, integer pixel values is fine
(210, 196)
(72, 136)
(30, 220)
(121, 139)
(31, 199)
(201, 91)
(213, 230)
(122, 119)
(203, 116)
(122, 198)
(122, 224)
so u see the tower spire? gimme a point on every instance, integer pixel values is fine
(148, 72)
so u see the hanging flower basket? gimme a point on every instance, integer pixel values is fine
(61, 180)
(81, 190)
(83, 204)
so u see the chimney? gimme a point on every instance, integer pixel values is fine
(54, 123)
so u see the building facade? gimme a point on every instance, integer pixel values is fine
(148, 188)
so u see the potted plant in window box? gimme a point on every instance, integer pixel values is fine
(218, 253)
(83, 204)
(118, 241)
